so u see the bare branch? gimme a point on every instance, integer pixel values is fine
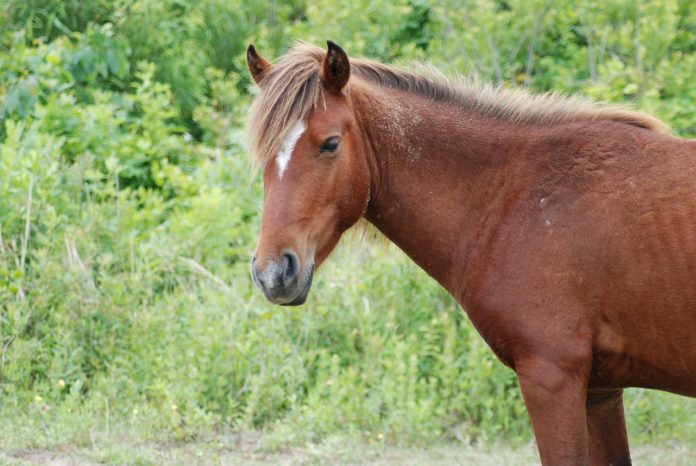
(25, 240)
(496, 58)
(5, 347)
(44, 424)
(532, 44)
(199, 269)
(591, 59)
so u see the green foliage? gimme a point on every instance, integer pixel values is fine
(128, 214)
(51, 19)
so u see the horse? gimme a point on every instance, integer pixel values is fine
(566, 229)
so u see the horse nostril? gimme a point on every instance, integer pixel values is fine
(255, 273)
(291, 267)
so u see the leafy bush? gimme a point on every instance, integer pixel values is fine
(128, 213)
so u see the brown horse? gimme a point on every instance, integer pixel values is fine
(566, 229)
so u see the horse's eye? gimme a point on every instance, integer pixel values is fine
(330, 145)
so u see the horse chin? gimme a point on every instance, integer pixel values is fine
(302, 297)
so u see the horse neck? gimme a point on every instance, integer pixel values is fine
(440, 175)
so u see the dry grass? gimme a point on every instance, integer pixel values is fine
(247, 449)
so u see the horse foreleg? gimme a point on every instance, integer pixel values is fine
(555, 399)
(607, 429)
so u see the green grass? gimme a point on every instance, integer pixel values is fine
(396, 370)
(128, 212)
(247, 448)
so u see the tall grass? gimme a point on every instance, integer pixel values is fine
(128, 213)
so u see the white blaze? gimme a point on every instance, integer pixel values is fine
(283, 157)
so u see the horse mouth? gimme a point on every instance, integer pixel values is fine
(302, 297)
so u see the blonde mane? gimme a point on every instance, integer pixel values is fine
(292, 89)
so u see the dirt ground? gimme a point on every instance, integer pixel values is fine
(236, 449)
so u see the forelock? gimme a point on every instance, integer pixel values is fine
(289, 92)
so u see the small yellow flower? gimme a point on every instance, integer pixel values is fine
(174, 407)
(53, 58)
(61, 383)
(38, 398)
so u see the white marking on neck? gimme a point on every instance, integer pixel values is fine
(283, 157)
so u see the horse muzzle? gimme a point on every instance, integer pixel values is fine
(283, 281)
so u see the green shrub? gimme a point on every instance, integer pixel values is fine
(128, 213)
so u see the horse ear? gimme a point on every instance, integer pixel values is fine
(336, 68)
(257, 65)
